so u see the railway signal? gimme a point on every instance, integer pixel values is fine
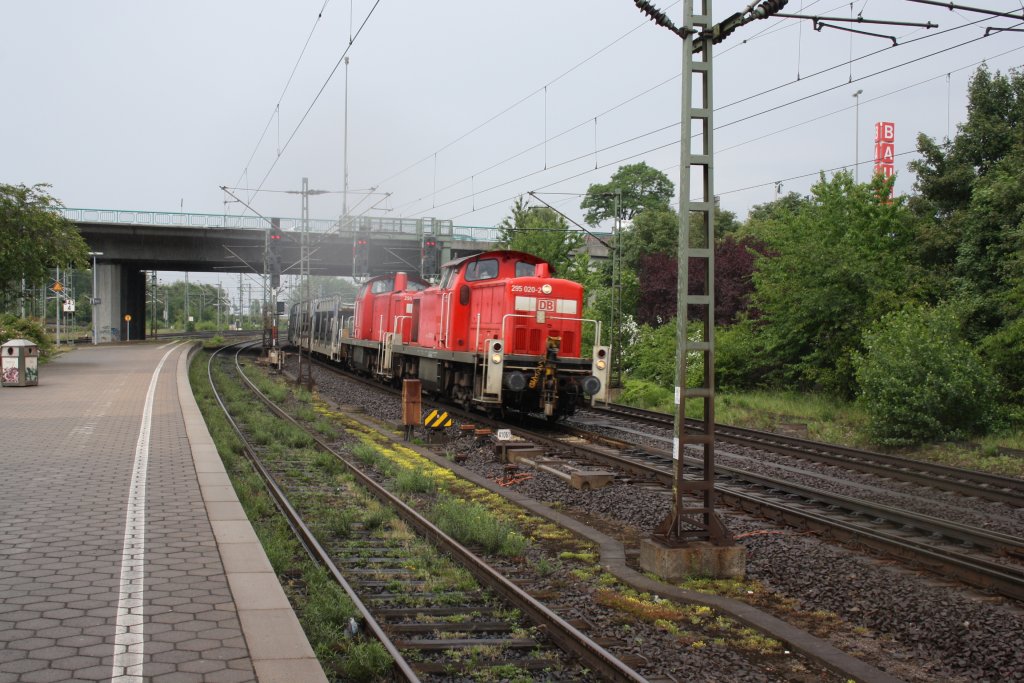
(361, 256)
(430, 257)
(274, 253)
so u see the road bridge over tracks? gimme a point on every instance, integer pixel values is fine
(132, 242)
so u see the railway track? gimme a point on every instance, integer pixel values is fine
(431, 627)
(986, 560)
(965, 482)
(980, 558)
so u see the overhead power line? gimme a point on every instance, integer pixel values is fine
(589, 120)
(277, 107)
(316, 98)
(515, 104)
(663, 128)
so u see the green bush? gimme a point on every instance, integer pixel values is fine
(1004, 353)
(652, 356)
(919, 380)
(644, 394)
(13, 327)
(740, 353)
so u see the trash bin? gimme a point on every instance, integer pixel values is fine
(19, 363)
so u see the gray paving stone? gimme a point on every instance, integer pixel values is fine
(75, 662)
(45, 676)
(64, 504)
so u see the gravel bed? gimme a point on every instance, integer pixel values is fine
(906, 623)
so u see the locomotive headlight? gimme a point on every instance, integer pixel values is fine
(601, 365)
(496, 358)
(545, 289)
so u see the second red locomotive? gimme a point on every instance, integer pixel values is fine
(498, 331)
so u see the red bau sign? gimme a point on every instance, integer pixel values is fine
(885, 143)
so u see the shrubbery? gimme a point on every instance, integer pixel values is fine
(1004, 352)
(13, 327)
(740, 353)
(644, 394)
(920, 381)
(652, 356)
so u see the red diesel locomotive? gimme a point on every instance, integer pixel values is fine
(497, 332)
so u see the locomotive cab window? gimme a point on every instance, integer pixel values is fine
(524, 269)
(448, 277)
(383, 286)
(487, 269)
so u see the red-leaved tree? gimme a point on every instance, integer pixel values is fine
(734, 265)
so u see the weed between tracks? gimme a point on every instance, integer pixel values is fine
(487, 521)
(325, 610)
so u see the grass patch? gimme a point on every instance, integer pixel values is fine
(680, 620)
(471, 523)
(328, 463)
(367, 454)
(324, 608)
(415, 481)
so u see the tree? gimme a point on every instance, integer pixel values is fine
(734, 268)
(544, 233)
(839, 263)
(653, 232)
(36, 238)
(641, 187)
(656, 231)
(785, 205)
(972, 202)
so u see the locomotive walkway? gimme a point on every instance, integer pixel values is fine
(124, 553)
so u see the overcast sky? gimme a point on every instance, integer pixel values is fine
(455, 107)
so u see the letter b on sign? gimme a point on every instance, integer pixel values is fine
(885, 131)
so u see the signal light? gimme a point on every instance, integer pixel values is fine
(274, 253)
(430, 258)
(360, 257)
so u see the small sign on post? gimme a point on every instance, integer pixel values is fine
(412, 405)
(435, 421)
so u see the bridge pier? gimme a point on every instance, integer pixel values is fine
(122, 291)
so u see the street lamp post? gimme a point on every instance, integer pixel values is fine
(856, 136)
(344, 200)
(95, 299)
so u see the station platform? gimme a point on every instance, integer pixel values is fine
(124, 553)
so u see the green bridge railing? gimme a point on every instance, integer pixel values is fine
(443, 229)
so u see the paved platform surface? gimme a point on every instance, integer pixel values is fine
(124, 554)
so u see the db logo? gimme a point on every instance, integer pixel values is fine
(546, 305)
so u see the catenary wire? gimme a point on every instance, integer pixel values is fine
(719, 108)
(316, 98)
(280, 98)
(588, 154)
